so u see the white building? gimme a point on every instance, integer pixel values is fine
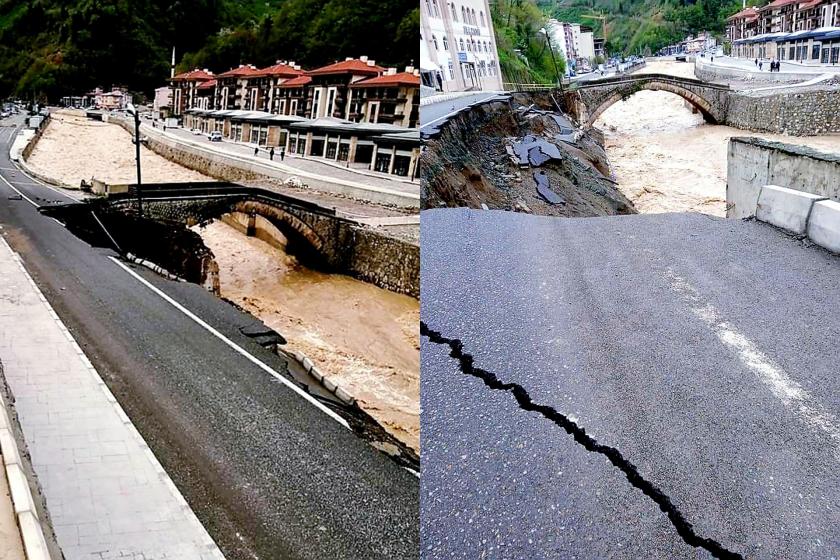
(557, 32)
(586, 44)
(163, 99)
(458, 46)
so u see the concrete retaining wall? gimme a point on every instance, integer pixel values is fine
(753, 163)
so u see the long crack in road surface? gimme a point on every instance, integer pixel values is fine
(697, 346)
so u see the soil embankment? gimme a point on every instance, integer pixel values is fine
(520, 154)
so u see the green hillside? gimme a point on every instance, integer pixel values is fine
(50, 48)
(637, 25)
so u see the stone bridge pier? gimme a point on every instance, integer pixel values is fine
(587, 100)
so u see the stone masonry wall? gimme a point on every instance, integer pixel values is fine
(357, 251)
(799, 114)
(753, 163)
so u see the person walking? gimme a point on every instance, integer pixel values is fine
(282, 153)
(760, 64)
(256, 151)
(756, 62)
(271, 154)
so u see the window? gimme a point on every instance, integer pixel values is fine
(474, 20)
(454, 13)
(434, 41)
(451, 71)
(461, 43)
(445, 43)
(435, 5)
(481, 14)
(464, 14)
(815, 52)
(429, 9)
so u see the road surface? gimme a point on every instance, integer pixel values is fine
(267, 473)
(435, 114)
(648, 386)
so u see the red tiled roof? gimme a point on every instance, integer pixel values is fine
(747, 12)
(354, 66)
(296, 82)
(280, 70)
(198, 75)
(208, 84)
(394, 80)
(810, 4)
(244, 70)
(778, 4)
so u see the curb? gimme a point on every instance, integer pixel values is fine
(153, 267)
(31, 533)
(311, 369)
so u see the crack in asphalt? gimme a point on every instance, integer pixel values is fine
(684, 528)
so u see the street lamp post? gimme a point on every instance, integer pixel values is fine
(544, 31)
(132, 110)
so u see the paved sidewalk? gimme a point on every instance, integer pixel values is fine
(749, 65)
(107, 495)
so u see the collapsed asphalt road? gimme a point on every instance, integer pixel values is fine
(269, 474)
(653, 386)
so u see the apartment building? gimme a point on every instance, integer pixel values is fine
(352, 112)
(458, 46)
(803, 31)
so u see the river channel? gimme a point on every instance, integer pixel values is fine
(666, 158)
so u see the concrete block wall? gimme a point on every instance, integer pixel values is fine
(801, 213)
(753, 163)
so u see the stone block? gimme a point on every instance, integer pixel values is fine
(785, 208)
(824, 225)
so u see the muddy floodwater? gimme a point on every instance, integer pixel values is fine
(364, 338)
(666, 159)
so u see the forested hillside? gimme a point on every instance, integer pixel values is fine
(636, 25)
(50, 48)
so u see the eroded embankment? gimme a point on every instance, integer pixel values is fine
(520, 154)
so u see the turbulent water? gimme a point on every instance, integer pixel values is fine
(364, 338)
(666, 159)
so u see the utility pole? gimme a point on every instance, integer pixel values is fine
(132, 110)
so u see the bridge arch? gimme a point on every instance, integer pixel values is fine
(301, 239)
(624, 90)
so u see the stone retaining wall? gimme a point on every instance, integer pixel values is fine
(797, 113)
(345, 247)
(753, 163)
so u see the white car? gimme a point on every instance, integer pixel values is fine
(195, 131)
(215, 136)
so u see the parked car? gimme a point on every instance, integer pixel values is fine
(195, 131)
(215, 136)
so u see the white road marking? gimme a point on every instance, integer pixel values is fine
(792, 395)
(234, 346)
(29, 200)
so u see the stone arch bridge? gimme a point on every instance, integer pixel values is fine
(314, 234)
(585, 101)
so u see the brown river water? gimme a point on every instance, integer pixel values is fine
(666, 159)
(364, 338)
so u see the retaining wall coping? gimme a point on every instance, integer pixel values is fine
(791, 149)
